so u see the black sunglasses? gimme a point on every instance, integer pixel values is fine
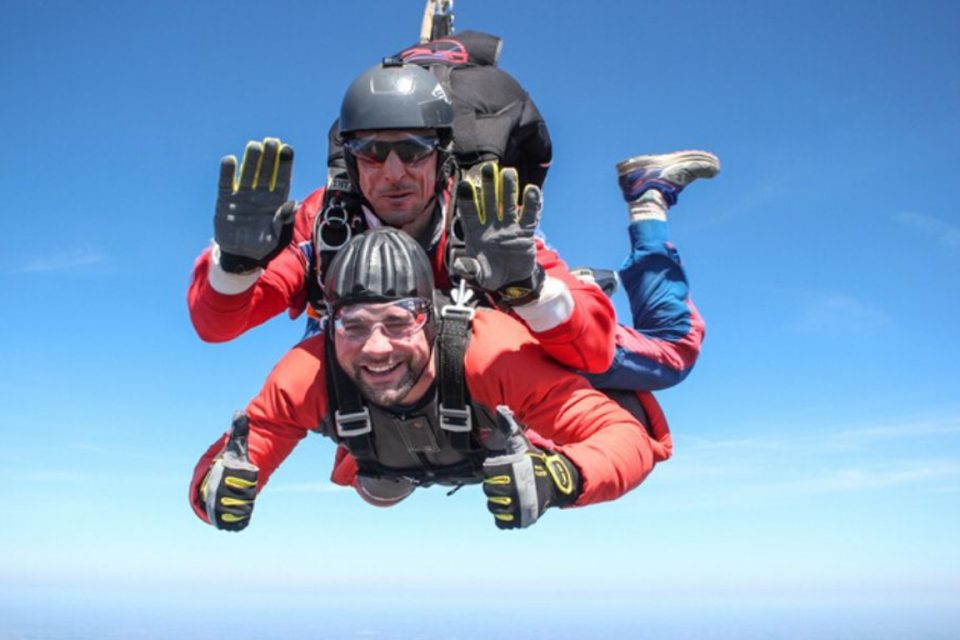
(412, 148)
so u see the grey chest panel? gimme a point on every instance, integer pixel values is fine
(404, 442)
(416, 443)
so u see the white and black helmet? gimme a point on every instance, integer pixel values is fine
(380, 265)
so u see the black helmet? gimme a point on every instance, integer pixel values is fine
(381, 265)
(393, 95)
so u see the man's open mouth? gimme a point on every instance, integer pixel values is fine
(379, 371)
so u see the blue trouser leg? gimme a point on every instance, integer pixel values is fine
(665, 342)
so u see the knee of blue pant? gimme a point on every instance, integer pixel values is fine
(656, 284)
(633, 372)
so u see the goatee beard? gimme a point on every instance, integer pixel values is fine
(395, 394)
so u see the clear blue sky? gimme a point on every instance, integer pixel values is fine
(817, 441)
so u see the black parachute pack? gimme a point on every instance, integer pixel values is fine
(494, 119)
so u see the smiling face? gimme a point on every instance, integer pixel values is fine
(401, 193)
(383, 348)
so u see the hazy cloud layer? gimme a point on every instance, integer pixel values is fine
(921, 453)
(946, 234)
(836, 312)
(74, 259)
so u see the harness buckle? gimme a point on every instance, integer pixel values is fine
(459, 309)
(456, 311)
(456, 420)
(343, 420)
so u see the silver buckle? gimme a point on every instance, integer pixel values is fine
(456, 420)
(362, 416)
(456, 311)
(459, 309)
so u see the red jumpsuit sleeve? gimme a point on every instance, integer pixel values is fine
(219, 317)
(290, 404)
(612, 450)
(586, 340)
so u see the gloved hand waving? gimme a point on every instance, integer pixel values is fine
(499, 234)
(230, 488)
(525, 481)
(253, 221)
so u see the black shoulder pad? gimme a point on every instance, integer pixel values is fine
(483, 48)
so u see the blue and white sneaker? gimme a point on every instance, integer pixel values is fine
(668, 173)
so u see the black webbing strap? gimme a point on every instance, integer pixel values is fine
(340, 217)
(351, 418)
(454, 335)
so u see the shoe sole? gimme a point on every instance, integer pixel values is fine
(667, 159)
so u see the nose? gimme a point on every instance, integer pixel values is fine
(393, 167)
(377, 342)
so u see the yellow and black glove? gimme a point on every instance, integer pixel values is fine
(253, 221)
(525, 481)
(501, 253)
(230, 488)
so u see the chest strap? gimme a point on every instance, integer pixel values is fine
(351, 417)
(452, 340)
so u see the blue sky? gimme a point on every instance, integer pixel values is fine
(818, 439)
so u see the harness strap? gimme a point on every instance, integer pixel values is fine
(339, 219)
(351, 418)
(454, 335)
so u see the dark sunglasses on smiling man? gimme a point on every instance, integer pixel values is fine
(410, 148)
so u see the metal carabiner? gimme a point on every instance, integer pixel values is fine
(332, 229)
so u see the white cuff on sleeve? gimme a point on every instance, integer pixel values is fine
(229, 284)
(551, 309)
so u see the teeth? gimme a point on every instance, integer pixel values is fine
(380, 369)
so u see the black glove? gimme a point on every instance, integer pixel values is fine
(230, 488)
(254, 220)
(501, 252)
(525, 481)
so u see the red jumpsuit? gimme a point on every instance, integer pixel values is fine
(581, 335)
(504, 364)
